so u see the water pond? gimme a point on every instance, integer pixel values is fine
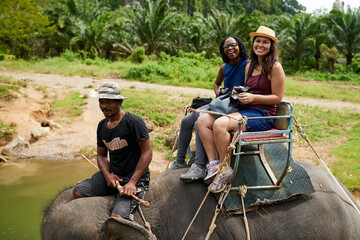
(27, 187)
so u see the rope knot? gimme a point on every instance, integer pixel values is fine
(242, 190)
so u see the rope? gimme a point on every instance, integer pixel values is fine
(173, 148)
(146, 223)
(213, 113)
(242, 192)
(303, 135)
(187, 109)
(197, 212)
(90, 162)
(217, 210)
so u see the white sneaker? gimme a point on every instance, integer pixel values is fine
(211, 171)
(220, 181)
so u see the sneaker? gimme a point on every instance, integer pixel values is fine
(220, 181)
(177, 165)
(194, 173)
(211, 171)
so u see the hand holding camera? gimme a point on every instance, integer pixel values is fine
(241, 89)
(235, 96)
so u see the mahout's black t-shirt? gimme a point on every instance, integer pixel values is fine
(122, 144)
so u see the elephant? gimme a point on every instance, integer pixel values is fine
(324, 214)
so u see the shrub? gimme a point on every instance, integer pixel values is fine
(6, 133)
(356, 63)
(70, 55)
(138, 55)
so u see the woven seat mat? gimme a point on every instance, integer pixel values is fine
(251, 173)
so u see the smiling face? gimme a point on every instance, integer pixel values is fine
(231, 49)
(261, 46)
(110, 107)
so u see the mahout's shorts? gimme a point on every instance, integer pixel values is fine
(123, 206)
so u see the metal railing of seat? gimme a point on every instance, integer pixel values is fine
(281, 133)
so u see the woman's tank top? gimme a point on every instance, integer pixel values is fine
(260, 86)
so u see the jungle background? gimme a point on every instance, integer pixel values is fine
(163, 54)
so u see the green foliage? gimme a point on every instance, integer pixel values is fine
(186, 69)
(138, 55)
(297, 41)
(356, 63)
(6, 92)
(70, 55)
(347, 170)
(158, 143)
(21, 23)
(6, 133)
(345, 27)
(330, 55)
(352, 78)
(151, 24)
(70, 106)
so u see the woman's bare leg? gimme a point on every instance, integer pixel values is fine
(222, 138)
(205, 126)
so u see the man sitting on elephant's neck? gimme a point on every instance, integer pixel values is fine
(125, 137)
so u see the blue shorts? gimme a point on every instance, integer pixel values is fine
(123, 206)
(258, 124)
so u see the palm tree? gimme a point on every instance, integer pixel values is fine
(151, 24)
(220, 24)
(346, 29)
(80, 24)
(297, 40)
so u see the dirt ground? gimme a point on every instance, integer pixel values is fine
(32, 107)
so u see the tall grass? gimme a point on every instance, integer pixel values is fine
(313, 90)
(348, 168)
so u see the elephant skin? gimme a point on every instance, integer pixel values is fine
(325, 214)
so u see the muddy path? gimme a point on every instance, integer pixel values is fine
(65, 143)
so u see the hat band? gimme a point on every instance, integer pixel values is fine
(111, 93)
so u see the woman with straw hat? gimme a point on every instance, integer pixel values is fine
(266, 79)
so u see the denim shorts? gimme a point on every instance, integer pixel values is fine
(258, 124)
(123, 206)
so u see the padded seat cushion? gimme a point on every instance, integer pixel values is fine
(269, 135)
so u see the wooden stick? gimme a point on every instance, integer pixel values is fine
(121, 192)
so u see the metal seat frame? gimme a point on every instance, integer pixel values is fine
(286, 137)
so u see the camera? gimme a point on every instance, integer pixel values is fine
(241, 89)
(224, 91)
(234, 98)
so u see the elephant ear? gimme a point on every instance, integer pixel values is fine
(121, 229)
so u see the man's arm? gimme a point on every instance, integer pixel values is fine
(103, 164)
(141, 167)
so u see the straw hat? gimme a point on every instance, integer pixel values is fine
(264, 32)
(108, 90)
